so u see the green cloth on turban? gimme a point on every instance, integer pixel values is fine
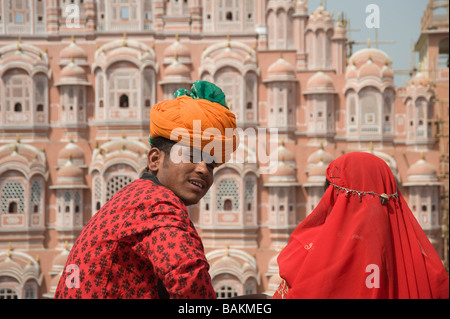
(204, 90)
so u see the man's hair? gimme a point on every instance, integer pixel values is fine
(164, 145)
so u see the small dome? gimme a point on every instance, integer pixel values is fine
(73, 74)
(177, 69)
(177, 50)
(281, 71)
(285, 155)
(9, 263)
(320, 82)
(30, 267)
(72, 150)
(320, 156)
(422, 170)
(361, 57)
(352, 72)
(369, 69)
(69, 170)
(73, 52)
(369, 64)
(73, 70)
(281, 67)
(419, 80)
(318, 170)
(284, 170)
(321, 15)
(387, 72)
(247, 267)
(60, 260)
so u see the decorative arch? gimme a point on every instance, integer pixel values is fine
(24, 56)
(20, 275)
(120, 161)
(235, 268)
(24, 68)
(125, 50)
(233, 66)
(23, 174)
(121, 69)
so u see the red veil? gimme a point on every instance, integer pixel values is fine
(354, 246)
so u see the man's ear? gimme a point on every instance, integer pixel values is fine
(155, 159)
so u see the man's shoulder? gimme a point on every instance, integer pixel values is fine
(159, 194)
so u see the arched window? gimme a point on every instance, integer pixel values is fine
(100, 88)
(30, 290)
(231, 82)
(123, 86)
(228, 196)
(13, 192)
(40, 93)
(149, 84)
(115, 184)
(18, 93)
(123, 101)
(227, 205)
(12, 208)
(36, 194)
(370, 106)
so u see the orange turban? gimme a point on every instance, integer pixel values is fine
(198, 119)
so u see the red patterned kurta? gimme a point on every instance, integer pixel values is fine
(140, 240)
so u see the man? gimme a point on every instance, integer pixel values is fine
(142, 243)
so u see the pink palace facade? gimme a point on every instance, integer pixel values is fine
(78, 79)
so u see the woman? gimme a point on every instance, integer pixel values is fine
(361, 241)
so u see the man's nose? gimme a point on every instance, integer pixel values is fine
(201, 167)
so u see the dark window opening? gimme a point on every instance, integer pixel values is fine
(12, 208)
(123, 102)
(227, 205)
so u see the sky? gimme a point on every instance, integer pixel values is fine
(399, 22)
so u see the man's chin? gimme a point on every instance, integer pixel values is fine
(190, 202)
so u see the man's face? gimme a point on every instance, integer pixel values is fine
(186, 173)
